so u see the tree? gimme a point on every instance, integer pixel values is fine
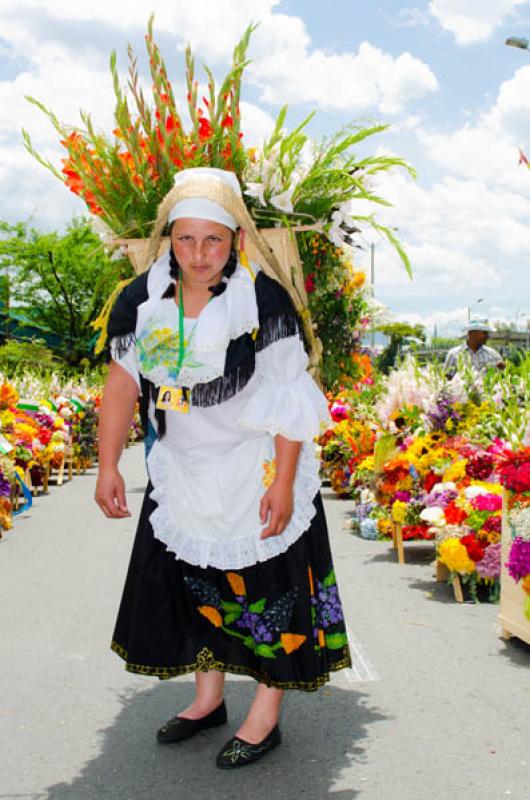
(400, 333)
(59, 283)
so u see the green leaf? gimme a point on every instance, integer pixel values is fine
(248, 641)
(330, 580)
(334, 641)
(258, 606)
(229, 618)
(226, 605)
(265, 650)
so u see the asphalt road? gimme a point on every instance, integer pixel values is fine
(435, 708)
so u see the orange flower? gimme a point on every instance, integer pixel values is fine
(321, 638)
(237, 583)
(525, 584)
(212, 615)
(292, 641)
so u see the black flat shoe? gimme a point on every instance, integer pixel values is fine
(238, 753)
(178, 729)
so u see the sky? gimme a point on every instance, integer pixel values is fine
(438, 72)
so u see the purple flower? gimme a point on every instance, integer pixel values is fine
(403, 496)
(327, 602)
(518, 563)
(490, 565)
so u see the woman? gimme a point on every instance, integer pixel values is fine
(231, 569)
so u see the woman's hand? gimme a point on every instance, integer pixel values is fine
(276, 508)
(110, 494)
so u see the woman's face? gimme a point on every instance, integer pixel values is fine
(201, 248)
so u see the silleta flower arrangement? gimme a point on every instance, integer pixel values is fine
(321, 191)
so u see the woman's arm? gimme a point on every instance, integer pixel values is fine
(117, 408)
(276, 505)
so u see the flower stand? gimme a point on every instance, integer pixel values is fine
(511, 615)
(443, 574)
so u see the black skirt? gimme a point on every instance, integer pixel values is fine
(279, 621)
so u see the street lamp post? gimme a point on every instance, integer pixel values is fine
(477, 301)
(518, 41)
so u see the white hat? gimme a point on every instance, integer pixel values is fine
(202, 207)
(478, 325)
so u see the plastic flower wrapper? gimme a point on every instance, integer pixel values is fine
(434, 515)
(519, 519)
(453, 554)
(450, 532)
(368, 528)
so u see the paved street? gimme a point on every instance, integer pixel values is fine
(436, 707)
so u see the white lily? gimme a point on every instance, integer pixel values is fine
(257, 190)
(284, 200)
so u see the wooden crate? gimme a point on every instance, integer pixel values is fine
(511, 615)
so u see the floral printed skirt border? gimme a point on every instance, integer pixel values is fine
(279, 621)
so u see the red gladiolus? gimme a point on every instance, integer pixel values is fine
(228, 122)
(205, 128)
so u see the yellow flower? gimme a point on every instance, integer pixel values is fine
(490, 488)
(367, 464)
(453, 554)
(399, 510)
(456, 472)
(384, 526)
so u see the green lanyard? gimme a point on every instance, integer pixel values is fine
(182, 346)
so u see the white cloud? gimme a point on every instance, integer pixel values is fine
(472, 21)
(466, 239)
(487, 150)
(368, 79)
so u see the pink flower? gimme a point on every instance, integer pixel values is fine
(487, 502)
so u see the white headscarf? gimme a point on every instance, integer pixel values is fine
(201, 207)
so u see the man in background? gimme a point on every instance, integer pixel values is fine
(474, 351)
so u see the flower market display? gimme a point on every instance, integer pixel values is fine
(321, 192)
(432, 455)
(514, 474)
(45, 424)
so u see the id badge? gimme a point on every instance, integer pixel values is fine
(174, 398)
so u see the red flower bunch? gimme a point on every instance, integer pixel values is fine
(475, 549)
(493, 524)
(454, 515)
(44, 435)
(480, 466)
(514, 470)
(421, 532)
(431, 479)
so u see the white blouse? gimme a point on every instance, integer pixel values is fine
(213, 465)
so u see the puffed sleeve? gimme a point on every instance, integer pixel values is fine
(122, 326)
(286, 399)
